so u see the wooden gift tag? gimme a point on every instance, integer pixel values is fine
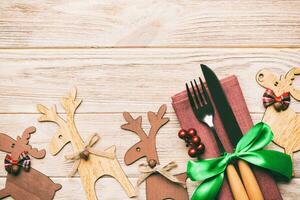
(24, 183)
(157, 186)
(91, 166)
(284, 122)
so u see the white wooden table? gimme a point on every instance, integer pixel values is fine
(133, 55)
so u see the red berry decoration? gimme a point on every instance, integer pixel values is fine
(200, 149)
(191, 139)
(192, 152)
(182, 134)
(192, 132)
(195, 140)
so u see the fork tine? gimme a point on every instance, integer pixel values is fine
(196, 96)
(207, 99)
(199, 94)
(191, 100)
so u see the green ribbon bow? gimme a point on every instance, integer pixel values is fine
(249, 148)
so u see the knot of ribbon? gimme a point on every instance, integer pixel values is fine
(12, 166)
(250, 149)
(147, 171)
(85, 152)
(281, 102)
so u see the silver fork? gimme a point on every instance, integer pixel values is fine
(203, 109)
(204, 112)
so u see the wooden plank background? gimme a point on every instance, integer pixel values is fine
(133, 55)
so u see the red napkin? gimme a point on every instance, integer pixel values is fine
(236, 99)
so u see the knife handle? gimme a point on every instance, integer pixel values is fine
(249, 181)
(236, 184)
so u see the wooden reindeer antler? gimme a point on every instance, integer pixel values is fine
(147, 146)
(89, 162)
(24, 140)
(70, 103)
(50, 115)
(157, 121)
(66, 128)
(26, 134)
(134, 125)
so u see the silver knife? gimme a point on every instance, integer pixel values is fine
(232, 129)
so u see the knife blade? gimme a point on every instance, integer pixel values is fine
(228, 119)
(232, 129)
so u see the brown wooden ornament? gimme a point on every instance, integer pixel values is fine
(24, 184)
(157, 186)
(91, 167)
(285, 124)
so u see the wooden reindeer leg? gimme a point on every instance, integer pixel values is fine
(121, 177)
(114, 169)
(4, 193)
(89, 187)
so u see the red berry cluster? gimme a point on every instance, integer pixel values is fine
(193, 140)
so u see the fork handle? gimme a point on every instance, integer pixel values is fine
(236, 184)
(249, 181)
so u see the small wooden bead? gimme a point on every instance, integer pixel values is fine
(15, 169)
(152, 163)
(84, 155)
(277, 106)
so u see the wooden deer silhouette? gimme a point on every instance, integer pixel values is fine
(157, 186)
(284, 122)
(95, 166)
(20, 184)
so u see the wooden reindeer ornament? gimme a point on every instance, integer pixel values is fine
(22, 181)
(284, 122)
(160, 184)
(91, 164)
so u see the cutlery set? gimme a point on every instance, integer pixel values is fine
(243, 188)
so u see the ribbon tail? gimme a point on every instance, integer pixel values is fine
(75, 168)
(207, 168)
(275, 161)
(72, 157)
(172, 178)
(142, 178)
(93, 140)
(209, 188)
(102, 153)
